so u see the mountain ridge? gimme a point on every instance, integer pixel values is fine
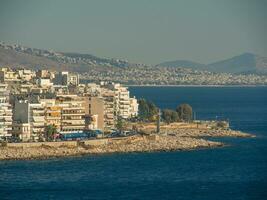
(20, 56)
(243, 63)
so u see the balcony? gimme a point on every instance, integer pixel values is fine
(38, 118)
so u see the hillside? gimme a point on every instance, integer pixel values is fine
(19, 56)
(245, 63)
(32, 58)
(9, 57)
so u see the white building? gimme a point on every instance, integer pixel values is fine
(66, 78)
(44, 82)
(133, 107)
(126, 107)
(5, 113)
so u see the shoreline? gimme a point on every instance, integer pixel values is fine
(219, 86)
(43, 157)
(165, 142)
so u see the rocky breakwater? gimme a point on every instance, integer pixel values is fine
(151, 143)
(194, 132)
(137, 143)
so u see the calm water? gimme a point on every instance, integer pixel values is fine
(235, 172)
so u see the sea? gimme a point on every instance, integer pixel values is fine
(235, 172)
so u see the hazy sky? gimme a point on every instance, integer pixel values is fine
(147, 31)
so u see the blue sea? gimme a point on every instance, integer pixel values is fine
(235, 172)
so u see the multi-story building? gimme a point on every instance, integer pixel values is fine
(26, 112)
(44, 82)
(110, 117)
(73, 79)
(126, 107)
(43, 74)
(72, 113)
(5, 112)
(25, 74)
(22, 131)
(52, 113)
(94, 112)
(100, 110)
(66, 78)
(8, 75)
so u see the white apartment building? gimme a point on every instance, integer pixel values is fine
(126, 107)
(5, 113)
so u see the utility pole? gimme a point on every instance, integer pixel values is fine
(158, 122)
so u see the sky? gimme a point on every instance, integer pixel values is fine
(141, 31)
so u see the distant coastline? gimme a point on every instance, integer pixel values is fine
(195, 85)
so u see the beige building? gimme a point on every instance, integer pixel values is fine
(52, 112)
(94, 106)
(100, 110)
(25, 74)
(8, 75)
(43, 74)
(72, 113)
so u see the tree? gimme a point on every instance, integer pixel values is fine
(147, 110)
(50, 131)
(120, 125)
(169, 116)
(185, 112)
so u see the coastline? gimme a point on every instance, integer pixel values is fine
(181, 140)
(195, 85)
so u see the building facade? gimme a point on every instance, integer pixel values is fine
(26, 112)
(5, 113)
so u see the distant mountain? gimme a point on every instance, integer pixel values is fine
(32, 58)
(182, 63)
(245, 64)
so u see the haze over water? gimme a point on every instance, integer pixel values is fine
(234, 172)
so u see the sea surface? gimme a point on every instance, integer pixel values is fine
(235, 172)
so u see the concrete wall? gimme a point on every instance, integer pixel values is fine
(95, 142)
(39, 144)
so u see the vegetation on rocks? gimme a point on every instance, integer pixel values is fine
(147, 110)
(185, 112)
(169, 116)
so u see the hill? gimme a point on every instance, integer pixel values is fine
(245, 64)
(32, 58)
